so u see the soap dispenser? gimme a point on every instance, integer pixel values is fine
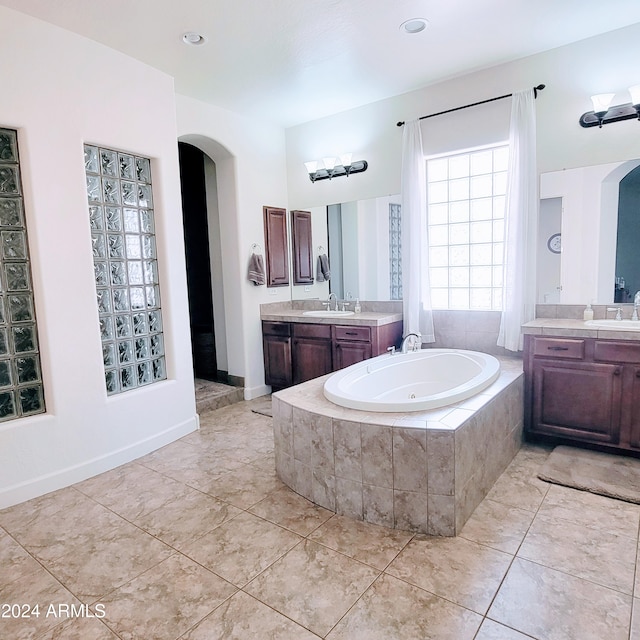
(357, 308)
(588, 312)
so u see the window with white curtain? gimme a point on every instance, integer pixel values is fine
(465, 215)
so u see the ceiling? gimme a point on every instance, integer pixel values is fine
(291, 61)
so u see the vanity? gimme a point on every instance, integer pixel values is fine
(299, 346)
(582, 384)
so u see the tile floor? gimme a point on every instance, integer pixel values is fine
(200, 541)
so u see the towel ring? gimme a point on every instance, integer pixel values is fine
(320, 249)
(255, 246)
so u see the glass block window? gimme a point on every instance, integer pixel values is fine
(21, 391)
(466, 204)
(395, 252)
(125, 267)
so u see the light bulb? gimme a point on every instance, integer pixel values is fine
(312, 165)
(635, 95)
(601, 102)
(329, 163)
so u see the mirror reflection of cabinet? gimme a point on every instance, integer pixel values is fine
(302, 247)
(276, 246)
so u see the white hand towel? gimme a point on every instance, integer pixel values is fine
(256, 269)
(323, 270)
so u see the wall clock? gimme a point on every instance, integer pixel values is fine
(554, 243)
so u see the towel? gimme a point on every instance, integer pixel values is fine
(323, 271)
(256, 269)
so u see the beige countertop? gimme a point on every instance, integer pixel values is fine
(567, 327)
(365, 318)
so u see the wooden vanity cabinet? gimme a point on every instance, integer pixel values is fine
(583, 390)
(295, 352)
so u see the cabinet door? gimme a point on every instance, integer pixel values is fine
(302, 247)
(276, 246)
(632, 405)
(576, 400)
(311, 358)
(347, 353)
(277, 360)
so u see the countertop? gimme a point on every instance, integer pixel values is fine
(566, 327)
(364, 318)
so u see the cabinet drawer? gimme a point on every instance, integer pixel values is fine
(312, 330)
(627, 352)
(360, 334)
(276, 328)
(558, 348)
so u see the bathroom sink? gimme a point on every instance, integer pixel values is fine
(615, 325)
(327, 314)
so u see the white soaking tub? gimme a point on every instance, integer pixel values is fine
(414, 381)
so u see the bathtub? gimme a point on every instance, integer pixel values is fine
(414, 381)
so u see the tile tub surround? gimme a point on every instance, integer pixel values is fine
(424, 471)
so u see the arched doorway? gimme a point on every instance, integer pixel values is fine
(198, 261)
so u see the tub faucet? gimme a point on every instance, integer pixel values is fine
(415, 339)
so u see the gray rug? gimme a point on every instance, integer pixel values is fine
(601, 473)
(263, 407)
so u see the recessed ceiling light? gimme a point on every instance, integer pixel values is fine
(192, 37)
(414, 25)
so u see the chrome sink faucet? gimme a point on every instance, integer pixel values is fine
(328, 302)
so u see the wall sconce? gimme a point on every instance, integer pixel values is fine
(604, 114)
(334, 167)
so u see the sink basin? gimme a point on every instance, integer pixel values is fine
(615, 325)
(327, 314)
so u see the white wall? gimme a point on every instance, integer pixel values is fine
(571, 74)
(59, 91)
(250, 167)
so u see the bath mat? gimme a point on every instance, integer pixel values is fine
(601, 473)
(263, 407)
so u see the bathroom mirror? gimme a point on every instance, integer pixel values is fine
(362, 241)
(595, 211)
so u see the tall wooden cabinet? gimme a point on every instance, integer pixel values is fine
(276, 246)
(583, 390)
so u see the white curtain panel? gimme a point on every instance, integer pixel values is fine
(416, 303)
(521, 223)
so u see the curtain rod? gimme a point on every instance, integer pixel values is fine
(540, 87)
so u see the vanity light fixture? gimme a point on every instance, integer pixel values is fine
(603, 113)
(334, 167)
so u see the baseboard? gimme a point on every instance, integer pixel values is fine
(62, 478)
(255, 392)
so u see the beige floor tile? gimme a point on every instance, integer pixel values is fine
(594, 554)
(519, 487)
(81, 629)
(180, 522)
(459, 570)
(245, 486)
(108, 557)
(242, 547)
(60, 524)
(166, 601)
(374, 545)
(290, 510)
(391, 608)
(591, 510)
(635, 620)
(132, 490)
(243, 617)
(16, 563)
(498, 525)
(313, 585)
(552, 605)
(491, 630)
(43, 594)
(196, 467)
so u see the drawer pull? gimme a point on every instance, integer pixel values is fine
(637, 373)
(558, 348)
(351, 333)
(617, 371)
